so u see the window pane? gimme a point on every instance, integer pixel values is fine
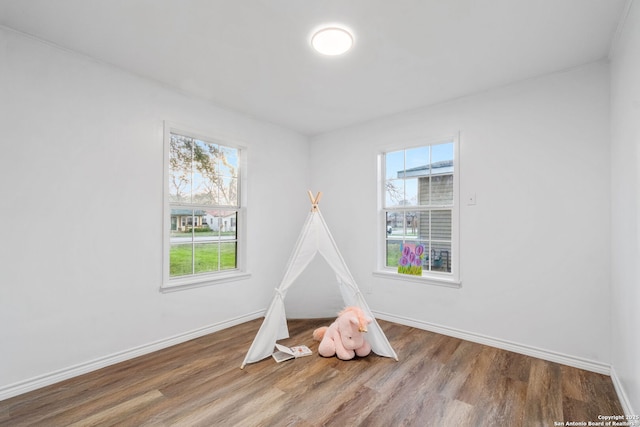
(393, 252)
(442, 174)
(205, 175)
(417, 161)
(217, 225)
(228, 162)
(410, 192)
(228, 224)
(424, 190)
(394, 164)
(214, 222)
(440, 258)
(181, 225)
(425, 254)
(442, 189)
(206, 257)
(442, 153)
(394, 192)
(228, 195)
(441, 225)
(423, 225)
(228, 255)
(203, 192)
(412, 221)
(180, 260)
(394, 223)
(180, 169)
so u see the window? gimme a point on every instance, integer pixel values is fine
(420, 210)
(203, 211)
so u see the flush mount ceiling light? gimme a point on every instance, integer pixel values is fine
(332, 41)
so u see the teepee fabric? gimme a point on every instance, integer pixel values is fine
(314, 238)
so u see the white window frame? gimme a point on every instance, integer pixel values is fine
(430, 277)
(170, 284)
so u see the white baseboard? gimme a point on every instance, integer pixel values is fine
(92, 365)
(552, 356)
(622, 395)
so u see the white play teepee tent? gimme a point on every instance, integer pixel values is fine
(315, 238)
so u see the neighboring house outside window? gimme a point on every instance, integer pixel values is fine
(203, 211)
(420, 207)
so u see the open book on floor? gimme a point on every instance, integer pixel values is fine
(286, 353)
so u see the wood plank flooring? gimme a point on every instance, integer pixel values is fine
(439, 381)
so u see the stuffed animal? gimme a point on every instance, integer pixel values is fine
(344, 338)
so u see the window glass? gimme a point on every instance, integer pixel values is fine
(203, 195)
(419, 205)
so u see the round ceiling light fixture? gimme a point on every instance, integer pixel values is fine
(332, 41)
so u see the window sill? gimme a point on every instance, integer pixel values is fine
(193, 282)
(427, 280)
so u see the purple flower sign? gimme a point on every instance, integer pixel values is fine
(410, 261)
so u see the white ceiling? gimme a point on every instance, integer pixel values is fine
(254, 56)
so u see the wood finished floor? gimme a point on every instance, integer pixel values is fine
(439, 381)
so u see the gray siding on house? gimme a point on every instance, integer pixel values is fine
(441, 190)
(439, 220)
(436, 224)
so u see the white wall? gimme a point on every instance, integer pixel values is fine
(81, 211)
(625, 221)
(534, 250)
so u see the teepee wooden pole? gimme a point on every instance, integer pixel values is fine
(314, 200)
